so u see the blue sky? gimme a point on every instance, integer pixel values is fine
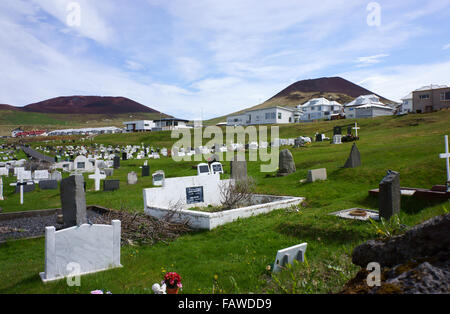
(185, 57)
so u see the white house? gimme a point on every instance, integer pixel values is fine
(407, 104)
(273, 115)
(168, 124)
(319, 108)
(16, 131)
(366, 106)
(139, 126)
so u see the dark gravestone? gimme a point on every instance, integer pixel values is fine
(354, 160)
(318, 137)
(48, 185)
(286, 164)
(337, 130)
(111, 185)
(26, 188)
(238, 169)
(116, 162)
(349, 130)
(145, 171)
(389, 196)
(73, 201)
(124, 156)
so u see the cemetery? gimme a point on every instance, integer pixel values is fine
(321, 203)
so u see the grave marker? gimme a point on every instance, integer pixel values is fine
(97, 176)
(203, 169)
(288, 255)
(446, 156)
(389, 195)
(73, 201)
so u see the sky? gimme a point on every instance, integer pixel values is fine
(199, 59)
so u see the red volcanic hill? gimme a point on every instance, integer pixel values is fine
(329, 85)
(88, 105)
(8, 107)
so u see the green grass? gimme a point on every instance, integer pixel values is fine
(239, 252)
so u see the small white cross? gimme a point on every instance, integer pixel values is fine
(446, 155)
(356, 128)
(20, 183)
(97, 176)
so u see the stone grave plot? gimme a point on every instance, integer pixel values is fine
(357, 214)
(180, 196)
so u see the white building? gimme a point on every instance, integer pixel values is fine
(16, 131)
(139, 126)
(86, 131)
(273, 115)
(366, 106)
(169, 124)
(320, 108)
(407, 104)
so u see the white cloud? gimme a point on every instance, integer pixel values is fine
(445, 47)
(369, 60)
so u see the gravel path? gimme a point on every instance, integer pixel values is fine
(31, 226)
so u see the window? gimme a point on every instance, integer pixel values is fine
(279, 115)
(327, 113)
(319, 108)
(290, 119)
(267, 115)
(424, 96)
(445, 96)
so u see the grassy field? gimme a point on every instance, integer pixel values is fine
(238, 253)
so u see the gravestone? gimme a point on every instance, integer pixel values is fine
(286, 164)
(317, 174)
(111, 185)
(318, 137)
(116, 162)
(48, 184)
(203, 169)
(216, 167)
(4, 171)
(337, 130)
(132, 178)
(288, 255)
(41, 175)
(26, 188)
(124, 156)
(238, 169)
(1, 190)
(145, 171)
(354, 160)
(56, 175)
(97, 176)
(73, 201)
(108, 172)
(337, 139)
(389, 195)
(158, 178)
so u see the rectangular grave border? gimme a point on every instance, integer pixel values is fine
(209, 221)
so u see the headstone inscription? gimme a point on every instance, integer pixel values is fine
(158, 178)
(194, 195)
(216, 167)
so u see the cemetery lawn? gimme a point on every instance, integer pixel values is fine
(240, 252)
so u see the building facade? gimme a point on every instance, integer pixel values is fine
(139, 126)
(369, 106)
(320, 108)
(407, 104)
(431, 98)
(273, 115)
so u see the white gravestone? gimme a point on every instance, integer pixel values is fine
(93, 247)
(216, 167)
(203, 169)
(20, 182)
(17, 170)
(356, 128)
(41, 175)
(158, 178)
(337, 139)
(97, 176)
(1, 189)
(288, 255)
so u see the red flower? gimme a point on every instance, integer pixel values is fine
(172, 280)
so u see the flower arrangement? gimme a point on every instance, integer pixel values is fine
(172, 280)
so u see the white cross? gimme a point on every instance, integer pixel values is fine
(356, 128)
(446, 155)
(97, 176)
(20, 183)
